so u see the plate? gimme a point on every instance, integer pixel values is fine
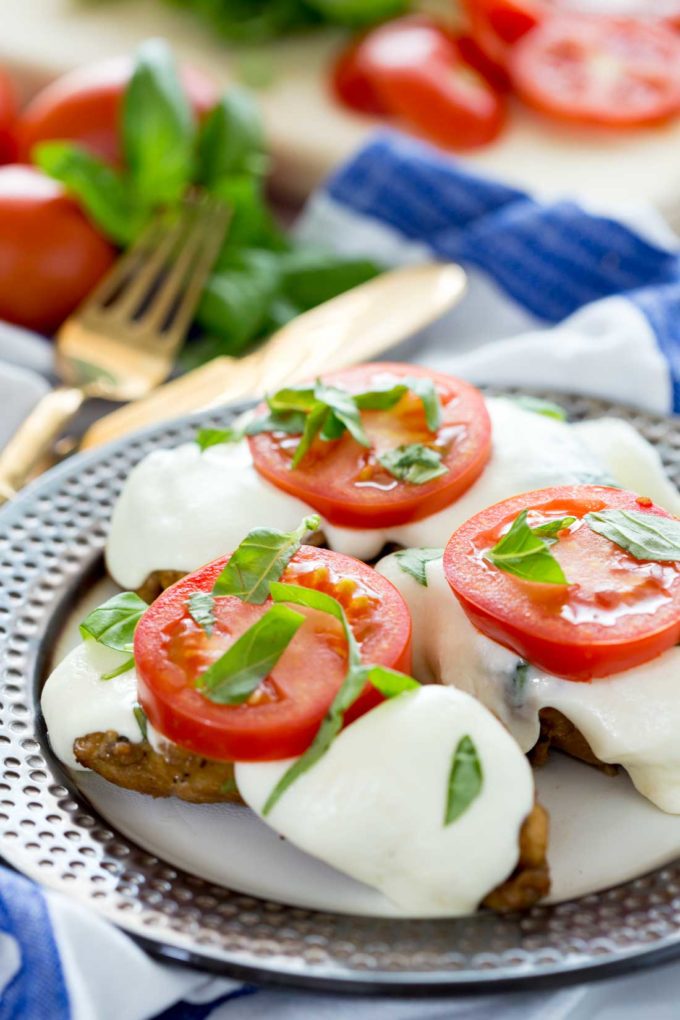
(50, 555)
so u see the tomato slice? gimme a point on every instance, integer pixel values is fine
(415, 69)
(610, 72)
(345, 482)
(496, 25)
(616, 612)
(281, 718)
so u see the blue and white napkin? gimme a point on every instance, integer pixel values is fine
(562, 297)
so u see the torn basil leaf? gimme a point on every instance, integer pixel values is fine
(414, 562)
(389, 682)
(426, 390)
(645, 536)
(206, 438)
(552, 528)
(261, 558)
(526, 554)
(142, 721)
(415, 464)
(232, 678)
(545, 407)
(113, 623)
(465, 780)
(201, 606)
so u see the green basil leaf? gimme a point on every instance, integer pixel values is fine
(380, 400)
(416, 464)
(525, 554)
(157, 127)
(236, 674)
(236, 298)
(201, 606)
(205, 438)
(100, 190)
(312, 275)
(142, 721)
(292, 398)
(388, 681)
(119, 670)
(113, 623)
(345, 409)
(425, 389)
(552, 528)
(333, 428)
(465, 780)
(645, 536)
(261, 558)
(231, 140)
(316, 419)
(291, 422)
(359, 12)
(538, 406)
(414, 562)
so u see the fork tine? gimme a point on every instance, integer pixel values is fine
(206, 221)
(212, 242)
(123, 268)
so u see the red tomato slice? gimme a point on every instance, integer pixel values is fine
(416, 70)
(344, 481)
(603, 71)
(8, 116)
(496, 25)
(616, 612)
(282, 717)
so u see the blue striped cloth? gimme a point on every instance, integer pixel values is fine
(561, 296)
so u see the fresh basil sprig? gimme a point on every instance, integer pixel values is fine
(113, 625)
(465, 780)
(201, 606)
(389, 682)
(232, 678)
(414, 562)
(292, 422)
(261, 558)
(525, 551)
(645, 536)
(415, 463)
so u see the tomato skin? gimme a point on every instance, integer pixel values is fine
(8, 117)
(530, 618)
(50, 255)
(496, 25)
(556, 70)
(84, 106)
(326, 479)
(283, 728)
(351, 82)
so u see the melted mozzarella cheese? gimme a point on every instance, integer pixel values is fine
(630, 719)
(181, 508)
(76, 701)
(374, 805)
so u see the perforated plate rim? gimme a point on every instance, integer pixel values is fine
(51, 538)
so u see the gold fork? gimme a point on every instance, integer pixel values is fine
(121, 342)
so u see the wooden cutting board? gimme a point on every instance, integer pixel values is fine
(309, 133)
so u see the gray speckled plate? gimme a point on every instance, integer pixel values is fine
(51, 539)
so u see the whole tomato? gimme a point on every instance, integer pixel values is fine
(8, 116)
(50, 255)
(84, 106)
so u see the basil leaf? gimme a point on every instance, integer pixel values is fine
(235, 300)
(414, 562)
(119, 670)
(113, 623)
(261, 558)
(236, 674)
(99, 188)
(230, 140)
(344, 408)
(201, 606)
(416, 464)
(465, 780)
(311, 275)
(215, 437)
(525, 554)
(538, 406)
(142, 721)
(553, 528)
(291, 422)
(380, 400)
(157, 127)
(388, 681)
(645, 536)
(291, 398)
(425, 389)
(316, 419)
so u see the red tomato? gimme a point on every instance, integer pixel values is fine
(496, 25)
(50, 255)
(416, 70)
(616, 612)
(602, 71)
(8, 116)
(351, 82)
(283, 715)
(344, 481)
(84, 106)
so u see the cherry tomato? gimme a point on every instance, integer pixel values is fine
(351, 82)
(616, 612)
(8, 116)
(496, 25)
(84, 106)
(282, 716)
(602, 71)
(50, 255)
(416, 70)
(345, 482)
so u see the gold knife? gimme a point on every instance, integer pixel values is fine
(356, 326)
